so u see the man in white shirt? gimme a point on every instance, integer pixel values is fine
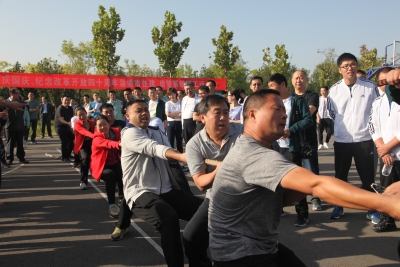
(349, 105)
(188, 103)
(157, 107)
(323, 120)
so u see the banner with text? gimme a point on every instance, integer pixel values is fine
(89, 82)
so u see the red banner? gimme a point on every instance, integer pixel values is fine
(90, 82)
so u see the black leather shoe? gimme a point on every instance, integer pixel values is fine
(24, 161)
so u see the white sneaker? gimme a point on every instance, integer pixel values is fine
(83, 186)
(25, 142)
(320, 147)
(327, 146)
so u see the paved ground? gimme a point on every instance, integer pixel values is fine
(48, 221)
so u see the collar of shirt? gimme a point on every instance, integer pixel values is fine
(232, 130)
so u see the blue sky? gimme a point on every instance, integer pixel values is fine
(32, 30)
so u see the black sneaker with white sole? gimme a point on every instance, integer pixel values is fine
(301, 221)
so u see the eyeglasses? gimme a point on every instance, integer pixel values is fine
(352, 65)
(377, 188)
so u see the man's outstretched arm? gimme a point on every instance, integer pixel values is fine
(339, 193)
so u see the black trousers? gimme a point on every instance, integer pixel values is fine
(327, 125)
(196, 237)
(84, 158)
(189, 129)
(363, 158)
(174, 131)
(163, 212)
(301, 206)
(46, 122)
(112, 174)
(284, 258)
(394, 175)
(67, 141)
(33, 125)
(15, 138)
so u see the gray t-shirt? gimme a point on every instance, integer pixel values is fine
(200, 147)
(32, 105)
(246, 202)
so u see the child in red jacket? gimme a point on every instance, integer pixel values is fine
(105, 160)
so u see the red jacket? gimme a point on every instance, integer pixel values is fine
(80, 133)
(100, 147)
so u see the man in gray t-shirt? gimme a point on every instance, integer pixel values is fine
(213, 143)
(252, 183)
(33, 114)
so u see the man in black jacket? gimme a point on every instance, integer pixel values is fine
(15, 130)
(45, 111)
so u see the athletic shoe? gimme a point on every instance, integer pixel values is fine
(24, 161)
(65, 160)
(373, 216)
(5, 165)
(316, 204)
(83, 186)
(113, 211)
(118, 233)
(76, 164)
(327, 146)
(301, 221)
(51, 136)
(25, 143)
(33, 143)
(385, 224)
(320, 147)
(336, 213)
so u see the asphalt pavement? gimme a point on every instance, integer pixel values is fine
(48, 221)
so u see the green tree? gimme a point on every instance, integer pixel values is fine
(131, 68)
(80, 59)
(369, 58)
(238, 76)
(280, 64)
(226, 55)
(106, 34)
(186, 71)
(17, 67)
(169, 53)
(325, 73)
(4, 65)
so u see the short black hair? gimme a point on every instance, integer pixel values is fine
(212, 82)
(112, 92)
(209, 101)
(65, 96)
(389, 68)
(236, 94)
(134, 101)
(101, 117)
(80, 109)
(223, 92)
(257, 78)
(278, 78)
(204, 88)
(325, 87)
(13, 90)
(256, 100)
(106, 105)
(345, 56)
(86, 96)
(45, 97)
(159, 87)
(137, 88)
(361, 72)
(151, 88)
(128, 90)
